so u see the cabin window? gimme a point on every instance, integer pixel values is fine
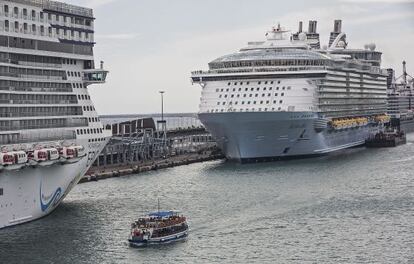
(1, 191)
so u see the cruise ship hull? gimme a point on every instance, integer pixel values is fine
(34, 192)
(266, 136)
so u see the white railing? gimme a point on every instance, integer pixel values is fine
(261, 69)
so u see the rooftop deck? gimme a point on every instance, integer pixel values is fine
(57, 7)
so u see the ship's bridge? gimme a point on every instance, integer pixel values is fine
(94, 76)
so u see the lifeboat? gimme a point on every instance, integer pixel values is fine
(45, 156)
(13, 160)
(72, 154)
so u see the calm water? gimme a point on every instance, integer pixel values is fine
(353, 207)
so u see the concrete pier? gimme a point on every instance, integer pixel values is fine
(96, 174)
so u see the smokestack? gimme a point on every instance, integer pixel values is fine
(300, 26)
(312, 26)
(337, 26)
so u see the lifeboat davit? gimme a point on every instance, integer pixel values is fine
(13, 160)
(45, 157)
(72, 154)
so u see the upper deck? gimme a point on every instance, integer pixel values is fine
(282, 54)
(57, 7)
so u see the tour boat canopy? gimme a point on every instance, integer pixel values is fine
(162, 214)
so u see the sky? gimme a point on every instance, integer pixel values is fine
(153, 45)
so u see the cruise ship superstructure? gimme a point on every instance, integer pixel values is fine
(287, 97)
(50, 132)
(401, 99)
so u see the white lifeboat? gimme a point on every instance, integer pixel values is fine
(46, 156)
(72, 154)
(13, 160)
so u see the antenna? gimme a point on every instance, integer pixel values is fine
(158, 204)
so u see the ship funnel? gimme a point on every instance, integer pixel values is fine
(312, 26)
(337, 26)
(300, 27)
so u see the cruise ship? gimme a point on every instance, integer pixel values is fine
(401, 100)
(50, 132)
(286, 97)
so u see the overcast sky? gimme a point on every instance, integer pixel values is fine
(153, 45)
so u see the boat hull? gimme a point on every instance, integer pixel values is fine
(159, 241)
(35, 191)
(266, 136)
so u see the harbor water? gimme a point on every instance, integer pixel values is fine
(356, 206)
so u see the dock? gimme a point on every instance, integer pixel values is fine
(138, 146)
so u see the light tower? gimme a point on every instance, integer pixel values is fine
(162, 122)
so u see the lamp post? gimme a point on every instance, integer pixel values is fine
(162, 105)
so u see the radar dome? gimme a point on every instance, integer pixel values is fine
(372, 46)
(341, 44)
(302, 36)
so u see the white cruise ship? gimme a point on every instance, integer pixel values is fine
(286, 97)
(50, 132)
(401, 99)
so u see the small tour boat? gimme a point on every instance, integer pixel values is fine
(158, 228)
